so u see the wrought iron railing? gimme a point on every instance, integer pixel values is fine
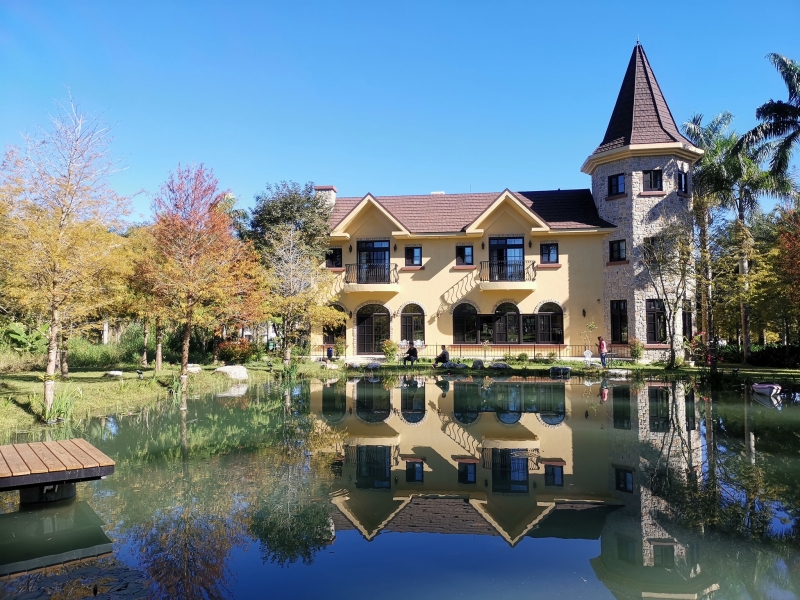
(508, 270)
(371, 273)
(534, 351)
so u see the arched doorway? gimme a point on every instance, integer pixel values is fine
(372, 327)
(550, 321)
(412, 323)
(506, 324)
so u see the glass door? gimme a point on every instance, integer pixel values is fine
(373, 261)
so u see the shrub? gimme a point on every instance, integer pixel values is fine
(523, 358)
(637, 349)
(390, 350)
(729, 354)
(236, 351)
(551, 357)
(775, 355)
(508, 358)
(339, 346)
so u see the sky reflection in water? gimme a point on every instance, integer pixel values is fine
(457, 487)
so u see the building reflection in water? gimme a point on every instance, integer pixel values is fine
(515, 457)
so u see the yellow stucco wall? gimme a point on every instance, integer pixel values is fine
(438, 287)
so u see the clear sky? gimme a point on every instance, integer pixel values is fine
(380, 97)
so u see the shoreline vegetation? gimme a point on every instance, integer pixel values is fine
(89, 393)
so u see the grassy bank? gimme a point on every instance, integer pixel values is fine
(92, 394)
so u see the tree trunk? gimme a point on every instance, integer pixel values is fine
(52, 363)
(187, 334)
(159, 340)
(64, 353)
(287, 349)
(144, 345)
(105, 332)
(744, 273)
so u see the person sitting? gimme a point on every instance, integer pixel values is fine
(444, 357)
(411, 354)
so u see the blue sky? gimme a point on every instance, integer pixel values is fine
(387, 98)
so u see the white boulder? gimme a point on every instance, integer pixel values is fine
(331, 366)
(113, 374)
(194, 369)
(234, 372)
(374, 365)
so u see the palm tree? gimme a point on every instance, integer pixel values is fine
(780, 121)
(705, 179)
(743, 181)
(730, 175)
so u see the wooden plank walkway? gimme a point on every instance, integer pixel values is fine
(41, 463)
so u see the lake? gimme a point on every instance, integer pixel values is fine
(430, 487)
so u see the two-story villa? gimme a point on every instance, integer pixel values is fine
(520, 271)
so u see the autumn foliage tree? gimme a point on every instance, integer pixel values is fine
(198, 269)
(60, 250)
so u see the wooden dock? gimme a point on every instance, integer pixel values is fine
(44, 463)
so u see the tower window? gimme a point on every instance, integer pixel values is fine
(682, 182)
(616, 184)
(616, 250)
(652, 181)
(656, 322)
(619, 321)
(549, 253)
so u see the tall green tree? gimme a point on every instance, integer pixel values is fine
(711, 138)
(780, 121)
(295, 205)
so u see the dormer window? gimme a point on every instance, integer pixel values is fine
(682, 182)
(616, 184)
(652, 181)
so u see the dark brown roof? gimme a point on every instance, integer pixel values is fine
(447, 213)
(439, 515)
(641, 115)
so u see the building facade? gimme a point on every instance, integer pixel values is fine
(515, 272)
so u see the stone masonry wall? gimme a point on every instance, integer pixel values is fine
(638, 217)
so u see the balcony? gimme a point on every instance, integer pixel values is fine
(508, 275)
(371, 277)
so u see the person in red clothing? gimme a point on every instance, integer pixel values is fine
(602, 348)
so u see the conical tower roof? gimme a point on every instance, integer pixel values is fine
(641, 115)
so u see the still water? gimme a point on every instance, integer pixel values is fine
(434, 488)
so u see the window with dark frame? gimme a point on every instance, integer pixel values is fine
(659, 409)
(652, 181)
(682, 182)
(548, 253)
(333, 258)
(616, 184)
(507, 325)
(663, 555)
(624, 480)
(467, 472)
(626, 549)
(622, 407)
(617, 251)
(464, 255)
(413, 256)
(656, 322)
(412, 323)
(554, 475)
(414, 471)
(619, 321)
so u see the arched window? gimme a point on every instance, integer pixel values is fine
(466, 402)
(373, 402)
(372, 327)
(506, 324)
(412, 323)
(330, 333)
(465, 324)
(412, 402)
(550, 320)
(334, 402)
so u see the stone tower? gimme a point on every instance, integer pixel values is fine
(640, 176)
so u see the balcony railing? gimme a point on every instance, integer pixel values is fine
(508, 270)
(371, 273)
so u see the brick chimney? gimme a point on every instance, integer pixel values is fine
(328, 193)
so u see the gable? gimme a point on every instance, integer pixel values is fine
(507, 203)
